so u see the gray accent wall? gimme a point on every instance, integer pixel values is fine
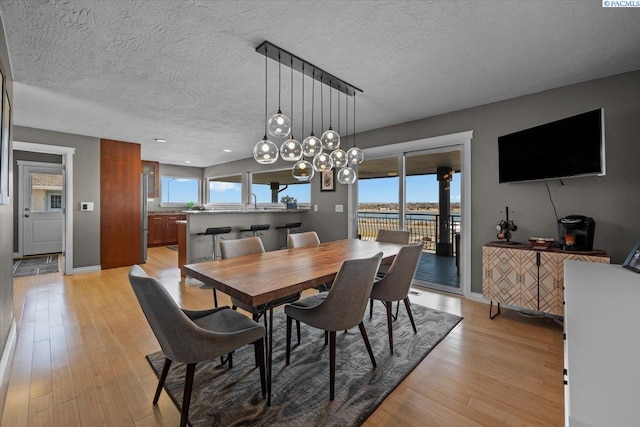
(86, 188)
(612, 200)
(6, 246)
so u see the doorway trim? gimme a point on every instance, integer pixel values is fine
(67, 166)
(461, 139)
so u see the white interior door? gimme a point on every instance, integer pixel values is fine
(42, 209)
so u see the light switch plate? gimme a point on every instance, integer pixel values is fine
(339, 208)
(315, 208)
(86, 206)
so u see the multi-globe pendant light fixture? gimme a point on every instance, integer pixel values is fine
(312, 144)
(265, 152)
(355, 155)
(291, 150)
(303, 170)
(322, 154)
(339, 156)
(347, 175)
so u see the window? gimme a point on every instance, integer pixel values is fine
(54, 201)
(179, 191)
(225, 189)
(267, 185)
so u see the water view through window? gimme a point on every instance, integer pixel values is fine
(378, 207)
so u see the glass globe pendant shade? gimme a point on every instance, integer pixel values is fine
(339, 158)
(330, 139)
(279, 125)
(322, 162)
(347, 176)
(291, 150)
(302, 171)
(265, 152)
(355, 155)
(311, 146)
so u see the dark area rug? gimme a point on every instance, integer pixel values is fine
(300, 392)
(33, 266)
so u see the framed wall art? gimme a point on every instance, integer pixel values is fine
(327, 181)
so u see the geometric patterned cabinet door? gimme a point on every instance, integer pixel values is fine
(528, 278)
(551, 278)
(510, 276)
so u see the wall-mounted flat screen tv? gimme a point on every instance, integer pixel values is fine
(569, 147)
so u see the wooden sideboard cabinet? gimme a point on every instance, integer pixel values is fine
(519, 276)
(163, 229)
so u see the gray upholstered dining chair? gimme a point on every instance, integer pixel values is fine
(299, 240)
(252, 245)
(393, 236)
(339, 309)
(308, 238)
(399, 237)
(395, 285)
(189, 337)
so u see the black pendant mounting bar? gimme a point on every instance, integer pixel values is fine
(290, 60)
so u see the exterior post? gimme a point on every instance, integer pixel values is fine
(444, 247)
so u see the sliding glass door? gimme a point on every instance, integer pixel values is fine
(418, 191)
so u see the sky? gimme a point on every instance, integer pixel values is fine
(422, 188)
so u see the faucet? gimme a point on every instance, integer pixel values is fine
(255, 200)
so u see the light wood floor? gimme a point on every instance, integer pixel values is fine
(82, 341)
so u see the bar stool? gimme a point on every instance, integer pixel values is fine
(255, 228)
(289, 227)
(214, 232)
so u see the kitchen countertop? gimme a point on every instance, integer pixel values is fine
(241, 211)
(165, 213)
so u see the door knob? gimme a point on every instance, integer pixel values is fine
(26, 215)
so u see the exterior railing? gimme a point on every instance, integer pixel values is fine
(422, 226)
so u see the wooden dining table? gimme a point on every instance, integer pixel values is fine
(266, 277)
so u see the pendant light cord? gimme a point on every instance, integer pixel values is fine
(291, 114)
(302, 109)
(279, 80)
(346, 135)
(338, 108)
(322, 103)
(265, 91)
(330, 103)
(354, 118)
(313, 97)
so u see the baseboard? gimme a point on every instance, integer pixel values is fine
(17, 255)
(477, 296)
(5, 365)
(88, 269)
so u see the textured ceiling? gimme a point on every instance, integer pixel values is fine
(187, 70)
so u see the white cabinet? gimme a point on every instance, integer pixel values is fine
(602, 345)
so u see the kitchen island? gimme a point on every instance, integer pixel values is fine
(195, 248)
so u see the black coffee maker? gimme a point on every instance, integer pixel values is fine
(576, 232)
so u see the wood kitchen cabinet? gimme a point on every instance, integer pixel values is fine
(519, 276)
(163, 229)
